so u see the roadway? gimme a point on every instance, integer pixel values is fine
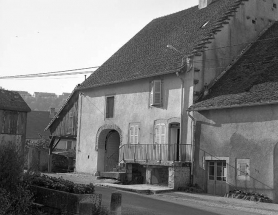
(136, 204)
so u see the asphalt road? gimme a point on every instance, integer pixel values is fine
(135, 204)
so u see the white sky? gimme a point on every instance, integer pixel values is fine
(52, 35)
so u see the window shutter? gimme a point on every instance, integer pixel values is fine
(131, 135)
(156, 134)
(156, 92)
(163, 134)
(136, 134)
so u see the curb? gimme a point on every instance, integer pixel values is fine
(145, 192)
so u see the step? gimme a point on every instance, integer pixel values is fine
(115, 175)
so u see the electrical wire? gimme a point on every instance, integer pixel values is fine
(47, 74)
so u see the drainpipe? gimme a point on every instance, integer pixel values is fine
(184, 63)
(193, 144)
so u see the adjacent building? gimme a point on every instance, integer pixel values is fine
(13, 119)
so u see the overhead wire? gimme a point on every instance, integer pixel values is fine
(48, 74)
(71, 71)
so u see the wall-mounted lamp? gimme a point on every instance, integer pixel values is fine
(172, 47)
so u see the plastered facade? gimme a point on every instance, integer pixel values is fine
(132, 105)
(239, 133)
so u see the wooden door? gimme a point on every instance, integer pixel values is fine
(112, 144)
(217, 177)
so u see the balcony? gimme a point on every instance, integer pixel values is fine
(155, 154)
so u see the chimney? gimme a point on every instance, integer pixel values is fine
(204, 3)
(52, 113)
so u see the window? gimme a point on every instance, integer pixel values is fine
(155, 96)
(109, 107)
(243, 169)
(160, 133)
(69, 144)
(134, 131)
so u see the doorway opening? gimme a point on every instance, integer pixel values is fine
(108, 151)
(174, 141)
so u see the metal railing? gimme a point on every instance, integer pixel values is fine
(156, 152)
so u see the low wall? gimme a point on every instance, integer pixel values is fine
(69, 203)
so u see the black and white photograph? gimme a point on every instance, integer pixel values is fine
(138, 107)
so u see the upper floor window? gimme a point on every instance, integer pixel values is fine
(155, 96)
(160, 133)
(134, 131)
(109, 107)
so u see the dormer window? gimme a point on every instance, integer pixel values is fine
(155, 95)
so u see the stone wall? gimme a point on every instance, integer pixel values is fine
(178, 177)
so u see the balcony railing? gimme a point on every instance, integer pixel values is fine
(156, 152)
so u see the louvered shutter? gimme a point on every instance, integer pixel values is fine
(136, 134)
(131, 134)
(162, 134)
(157, 134)
(156, 93)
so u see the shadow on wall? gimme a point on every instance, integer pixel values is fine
(254, 114)
(263, 170)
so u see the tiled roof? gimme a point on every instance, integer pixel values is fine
(147, 55)
(11, 100)
(36, 122)
(252, 80)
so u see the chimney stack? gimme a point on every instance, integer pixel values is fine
(204, 3)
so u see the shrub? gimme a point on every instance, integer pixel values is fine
(11, 166)
(59, 184)
(15, 197)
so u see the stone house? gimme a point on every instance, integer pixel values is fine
(13, 118)
(133, 109)
(235, 136)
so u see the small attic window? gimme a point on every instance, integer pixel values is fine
(204, 25)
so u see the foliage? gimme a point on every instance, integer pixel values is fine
(60, 184)
(251, 196)
(191, 188)
(15, 197)
(41, 143)
(11, 166)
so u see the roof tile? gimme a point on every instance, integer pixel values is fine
(147, 55)
(252, 80)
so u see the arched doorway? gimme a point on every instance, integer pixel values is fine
(108, 150)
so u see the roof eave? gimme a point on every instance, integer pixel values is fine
(232, 106)
(133, 79)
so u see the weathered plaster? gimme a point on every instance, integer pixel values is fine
(131, 105)
(239, 133)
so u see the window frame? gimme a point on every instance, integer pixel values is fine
(131, 138)
(158, 133)
(153, 93)
(240, 174)
(106, 107)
